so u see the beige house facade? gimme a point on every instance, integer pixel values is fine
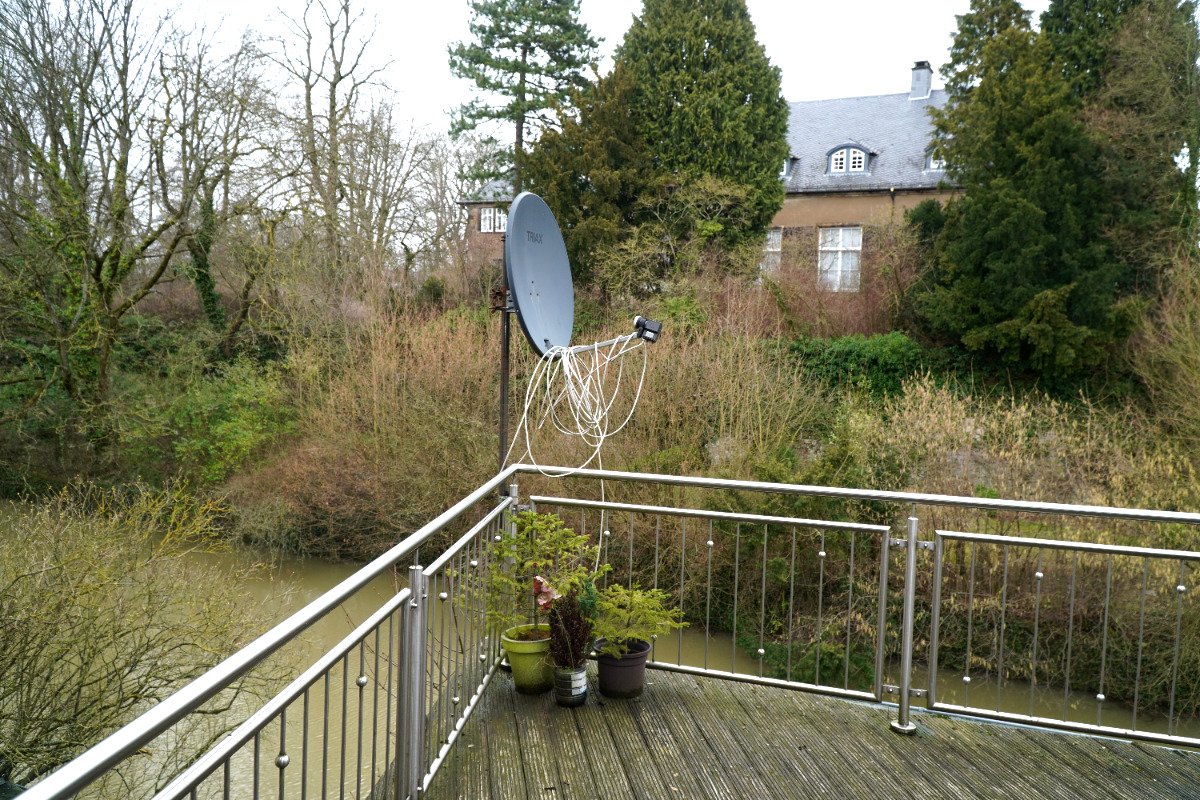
(855, 166)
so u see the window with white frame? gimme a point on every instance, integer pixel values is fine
(848, 159)
(838, 256)
(492, 220)
(772, 250)
(934, 162)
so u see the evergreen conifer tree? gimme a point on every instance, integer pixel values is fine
(1025, 272)
(1079, 34)
(707, 100)
(526, 57)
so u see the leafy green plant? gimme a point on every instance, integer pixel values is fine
(878, 364)
(543, 562)
(624, 616)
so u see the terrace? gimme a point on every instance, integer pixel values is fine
(1051, 649)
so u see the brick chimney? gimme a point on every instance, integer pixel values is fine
(922, 81)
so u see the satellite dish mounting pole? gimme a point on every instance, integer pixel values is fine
(502, 302)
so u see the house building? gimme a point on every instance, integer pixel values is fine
(856, 164)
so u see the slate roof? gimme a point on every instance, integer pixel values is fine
(895, 130)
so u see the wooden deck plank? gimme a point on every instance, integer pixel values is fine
(670, 720)
(736, 761)
(691, 737)
(506, 768)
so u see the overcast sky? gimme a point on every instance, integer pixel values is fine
(824, 49)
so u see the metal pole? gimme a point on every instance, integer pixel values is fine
(904, 724)
(504, 370)
(412, 720)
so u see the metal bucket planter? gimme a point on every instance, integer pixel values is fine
(570, 687)
(624, 676)
(532, 670)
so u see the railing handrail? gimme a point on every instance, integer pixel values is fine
(244, 732)
(982, 503)
(1067, 544)
(126, 741)
(703, 513)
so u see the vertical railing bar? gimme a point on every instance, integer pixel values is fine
(1137, 680)
(657, 535)
(629, 574)
(791, 603)
(762, 608)
(438, 678)
(1104, 642)
(970, 624)
(257, 764)
(737, 558)
(849, 614)
(1038, 576)
(227, 780)
(325, 738)
(1180, 589)
(820, 606)
(345, 714)
(360, 680)
(387, 699)
(304, 749)
(282, 759)
(682, 560)
(375, 709)
(881, 613)
(1003, 619)
(935, 617)
(708, 595)
(1070, 634)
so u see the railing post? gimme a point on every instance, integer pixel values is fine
(885, 552)
(412, 706)
(904, 724)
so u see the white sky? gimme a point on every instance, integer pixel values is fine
(824, 49)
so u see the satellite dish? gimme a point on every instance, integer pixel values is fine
(539, 275)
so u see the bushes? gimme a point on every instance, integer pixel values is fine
(100, 618)
(878, 364)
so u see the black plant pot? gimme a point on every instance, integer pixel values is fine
(624, 676)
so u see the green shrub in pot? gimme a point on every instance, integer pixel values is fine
(627, 620)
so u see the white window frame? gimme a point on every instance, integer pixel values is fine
(848, 159)
(772, 250)
(935, 163)
(493, 220)
(839, 258)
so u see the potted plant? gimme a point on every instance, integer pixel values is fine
(530, 570)
(570, 642)
(627, 620)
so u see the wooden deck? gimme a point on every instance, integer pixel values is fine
(707, 738)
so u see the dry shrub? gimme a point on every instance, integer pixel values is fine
(1168, 355)
(1032, 448)
(394, 425)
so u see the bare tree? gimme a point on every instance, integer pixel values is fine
(114, 141)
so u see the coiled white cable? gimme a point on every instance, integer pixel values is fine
(574, 389)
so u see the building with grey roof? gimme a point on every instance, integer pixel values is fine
(856, 164)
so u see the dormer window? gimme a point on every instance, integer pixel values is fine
(934, 162)
(848, 159)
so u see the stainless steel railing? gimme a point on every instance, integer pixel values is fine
(810, 601)
(408, 689)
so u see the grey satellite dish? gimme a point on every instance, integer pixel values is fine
(539, 276)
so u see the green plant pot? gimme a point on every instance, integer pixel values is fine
(532, 670)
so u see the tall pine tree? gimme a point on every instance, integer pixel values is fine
(707, 99)
(526, 57)
(1079, 34)
(1025, 272)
